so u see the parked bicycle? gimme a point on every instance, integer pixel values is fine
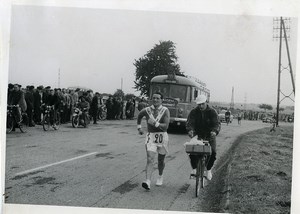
(202, 151)
(51, 118)
(11, 119)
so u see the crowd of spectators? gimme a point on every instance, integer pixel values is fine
(33, 101)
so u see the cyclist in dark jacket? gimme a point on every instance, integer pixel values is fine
(203, 121)
(17, 97)
(84, 106)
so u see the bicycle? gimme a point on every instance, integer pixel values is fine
(80, 117)
(227, 119)
(11, 120)
(102, 112)
(51, 118)
(202, 151)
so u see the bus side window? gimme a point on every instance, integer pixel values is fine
(195, 93)
(188, 94)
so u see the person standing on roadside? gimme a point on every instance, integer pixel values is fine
(203, 121)
(95, 106)
(38, 99)
(29, 98)
(158, 118)
(239, 118)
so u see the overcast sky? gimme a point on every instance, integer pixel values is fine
(95, 48)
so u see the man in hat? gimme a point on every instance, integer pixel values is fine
(204, 122)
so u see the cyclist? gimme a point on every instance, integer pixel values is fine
(17, 97)
(158, 118)
(84, 106)
(203, 121)
(53, 100)
(227, 116)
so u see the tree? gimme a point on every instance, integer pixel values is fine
(129, 96)
(265, 107)
(119, 93)
(160, 60)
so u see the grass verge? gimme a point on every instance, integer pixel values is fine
(260, 175)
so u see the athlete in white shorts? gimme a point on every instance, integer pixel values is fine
(157, 139)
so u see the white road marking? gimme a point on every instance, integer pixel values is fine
(53, 164)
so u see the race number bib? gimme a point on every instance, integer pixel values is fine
(158, 138)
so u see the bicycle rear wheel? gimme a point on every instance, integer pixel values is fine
(46, 122)
(9, 123)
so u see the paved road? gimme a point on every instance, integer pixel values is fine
(102, 166)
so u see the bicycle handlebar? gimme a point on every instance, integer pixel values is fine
(13, 106)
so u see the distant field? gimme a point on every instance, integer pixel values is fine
(261, 172)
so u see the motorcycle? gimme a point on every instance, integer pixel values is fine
(80, 117)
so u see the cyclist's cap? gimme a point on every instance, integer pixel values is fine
(201, 99)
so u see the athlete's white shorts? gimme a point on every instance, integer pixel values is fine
(157, 142)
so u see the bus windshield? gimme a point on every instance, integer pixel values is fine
(178, 92)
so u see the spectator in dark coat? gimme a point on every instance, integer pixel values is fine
(9, 91)
(37, 102)
(109, 108)
(95, 106)
(129, 109)
(29, 98)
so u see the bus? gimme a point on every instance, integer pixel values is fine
(179, 94)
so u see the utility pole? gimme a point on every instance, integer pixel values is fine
(283, 25)
(122, 84)
(245, 101)
(232, 99)
(58, 78)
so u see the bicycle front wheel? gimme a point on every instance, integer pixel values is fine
(57, 121)
(202, 179)
(24, 123)
(46, 122)
(200, 175)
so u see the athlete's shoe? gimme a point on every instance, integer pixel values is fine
(208, 175)
(146, 184)
(193, 172)
(159, 181)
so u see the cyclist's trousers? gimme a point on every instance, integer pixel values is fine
(210, 159)
(18, 113)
